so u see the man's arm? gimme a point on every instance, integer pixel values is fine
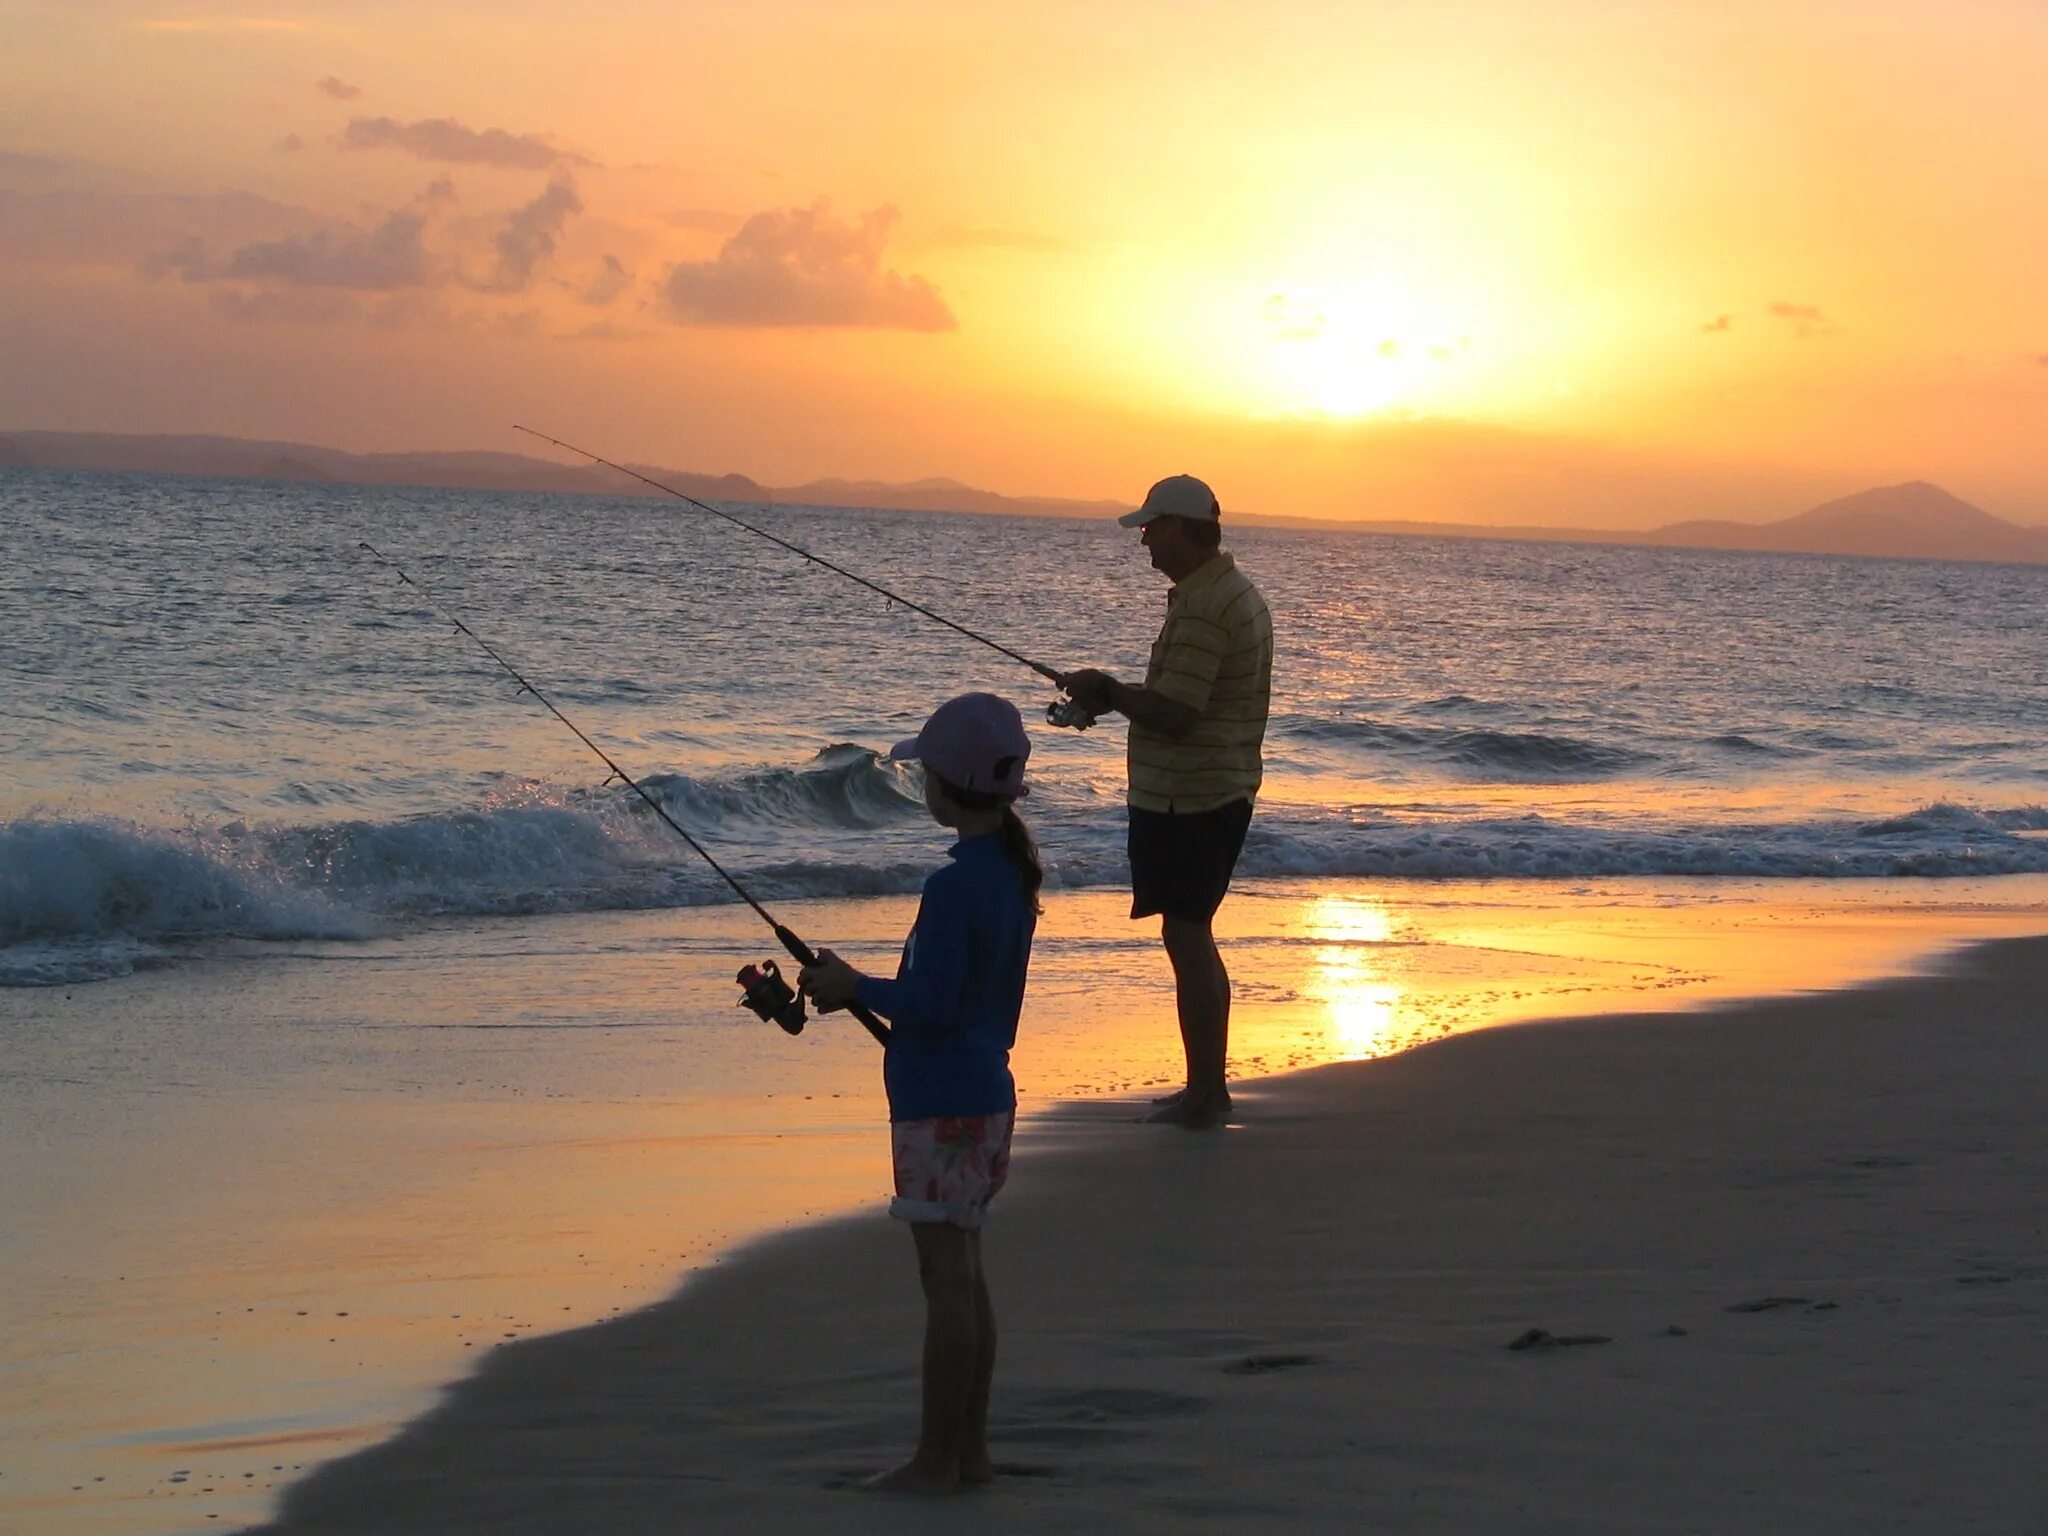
(1101, 693)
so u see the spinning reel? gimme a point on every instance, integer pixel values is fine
(770, 997)
(1070, 713)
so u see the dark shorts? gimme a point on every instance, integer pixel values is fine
(1181, 861)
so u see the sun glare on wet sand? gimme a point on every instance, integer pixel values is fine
(1348, 979)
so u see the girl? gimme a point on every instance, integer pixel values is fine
(953, 1006)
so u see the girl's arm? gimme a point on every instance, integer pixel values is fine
(925, 996)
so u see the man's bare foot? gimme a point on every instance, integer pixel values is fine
(1179, 1096)
(915, 1478)
(976, 1469)
(1192, 1114)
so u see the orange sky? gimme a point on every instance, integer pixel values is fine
(1589, 261)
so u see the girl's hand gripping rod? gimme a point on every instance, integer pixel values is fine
(766, 992)
(1062, 711)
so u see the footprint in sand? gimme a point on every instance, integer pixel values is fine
(1772, 1303)
(1259, 1365)
(1543, 1338)
(1091, 1414)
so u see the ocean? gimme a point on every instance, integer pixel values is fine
(352, 1025)
(228, 723)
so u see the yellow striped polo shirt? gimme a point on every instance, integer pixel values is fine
(1215, 655)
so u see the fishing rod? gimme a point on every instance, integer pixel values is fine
(767, 994)
(1062, 711)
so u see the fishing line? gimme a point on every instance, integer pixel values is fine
(767, 994)
(1060, 712)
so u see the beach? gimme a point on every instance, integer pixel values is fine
(1774, 1267)
(267, 1210)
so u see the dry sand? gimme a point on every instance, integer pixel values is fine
(1803, 1240)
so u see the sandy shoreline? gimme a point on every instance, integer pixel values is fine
(1810, 1232)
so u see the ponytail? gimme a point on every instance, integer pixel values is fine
(1023, 853)
(1018, 845)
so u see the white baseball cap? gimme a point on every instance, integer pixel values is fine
(1176, 496)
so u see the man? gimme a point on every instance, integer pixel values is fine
(1197, 726)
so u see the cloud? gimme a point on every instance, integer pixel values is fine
(2041, 359)
(442, 138)
(529, 236)
(1807, 320)
(516, 323)
(290, 144)
(1720, 323)
(50, 173)
(390, 254)
(611, 282)
(339, 89)
(297, 306)
(84, 228)
(802, 266)
(1291, 320)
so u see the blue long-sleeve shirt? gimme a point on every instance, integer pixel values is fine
(959, 989)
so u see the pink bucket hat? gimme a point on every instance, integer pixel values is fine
(975, 742)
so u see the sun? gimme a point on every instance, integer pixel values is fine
(1249, 341)
(1354, 348)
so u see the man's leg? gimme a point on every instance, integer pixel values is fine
(948, 1265)
(1202, 994)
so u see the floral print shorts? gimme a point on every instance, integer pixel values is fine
(949, 1169)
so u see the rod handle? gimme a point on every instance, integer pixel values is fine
(804, 955)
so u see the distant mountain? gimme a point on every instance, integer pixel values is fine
(937, 495)
(1914, 521)
(245, 458)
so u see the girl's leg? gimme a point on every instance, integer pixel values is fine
(975, 1466)
(952, 1346)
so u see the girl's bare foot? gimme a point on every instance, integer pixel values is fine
(976, 1469)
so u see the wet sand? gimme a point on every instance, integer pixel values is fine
(1777, 1267)
(254, 1211)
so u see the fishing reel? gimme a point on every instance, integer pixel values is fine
(1070, 713)
(770, 997)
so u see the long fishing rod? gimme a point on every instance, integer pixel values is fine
(767, 994)
(1060, 712)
